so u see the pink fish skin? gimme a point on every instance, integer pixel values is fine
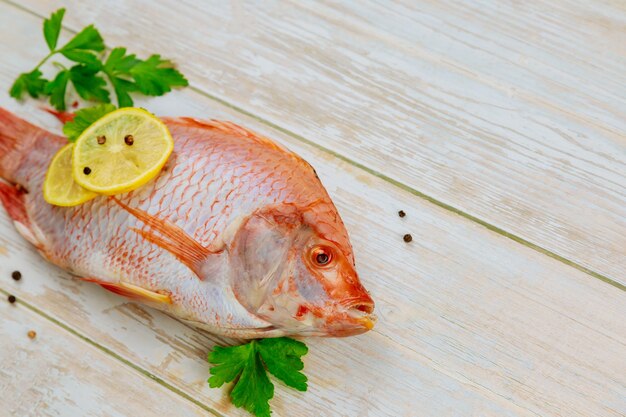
(236, 235)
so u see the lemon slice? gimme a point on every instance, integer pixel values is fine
(121, 151)
(59, 187)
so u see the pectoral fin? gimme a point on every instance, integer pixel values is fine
(132, 291)
(171, 238)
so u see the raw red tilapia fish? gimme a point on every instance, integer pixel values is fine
(236, 234)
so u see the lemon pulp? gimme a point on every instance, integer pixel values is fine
(59, 187)
(121, 151)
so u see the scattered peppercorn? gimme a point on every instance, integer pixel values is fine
(401, 213)
(407, 238)
(86, 170)
(12, 299)
(129, 140)
(32, 334)
(16, 275)
(102, 139)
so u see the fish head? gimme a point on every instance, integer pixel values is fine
(298, 273)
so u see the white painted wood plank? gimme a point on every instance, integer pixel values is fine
(460, 106)
(471, 323)
(566, 56)
(57, 374)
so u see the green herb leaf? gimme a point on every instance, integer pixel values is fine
(245, 364)
(85, 118)
(282, 358)
(88, 84)
(253, 389)
(52, 28)
(87, 39)
(31, 82)
(122, 87)
(156, 76)
(83, 57)
(119, 63)
(117, 67)
(56, 89)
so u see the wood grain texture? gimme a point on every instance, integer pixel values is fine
(57, 374)
(471, 324)
(511, 113)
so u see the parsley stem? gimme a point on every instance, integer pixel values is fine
(59, 65)
(43, 61)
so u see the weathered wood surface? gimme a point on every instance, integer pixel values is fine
(509, 112)
(471, 323)
(58, 374)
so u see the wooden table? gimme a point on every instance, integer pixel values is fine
(497, 126)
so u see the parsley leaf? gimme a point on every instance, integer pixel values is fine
(117, 67)
(84, 57)
(52, 28)
(119, 63)
(88, 84)
(88, 39)
(31, 82)
(56, 89)
(84, 118)
(247, 365)
(282, 358)
(156, 76)
(122, 87)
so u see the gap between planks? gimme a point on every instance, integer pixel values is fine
(114, 355)
(396, 183)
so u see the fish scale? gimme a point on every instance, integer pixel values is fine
(223, 237)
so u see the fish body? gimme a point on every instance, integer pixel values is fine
(236, 234)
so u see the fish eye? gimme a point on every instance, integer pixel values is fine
(321, 255)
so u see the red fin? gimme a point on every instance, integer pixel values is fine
(63, 116)
(132, 291)
(171, 238)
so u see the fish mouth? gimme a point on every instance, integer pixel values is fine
(366, 307)
(362, 314)
(358, 318)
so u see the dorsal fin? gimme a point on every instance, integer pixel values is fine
(171, 238)
(234, 129)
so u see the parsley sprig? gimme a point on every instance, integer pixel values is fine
(124, 72)
(247, 364)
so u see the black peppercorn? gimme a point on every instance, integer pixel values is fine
(407, 238)
(16, 275)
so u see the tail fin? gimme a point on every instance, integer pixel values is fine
(19, 138)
